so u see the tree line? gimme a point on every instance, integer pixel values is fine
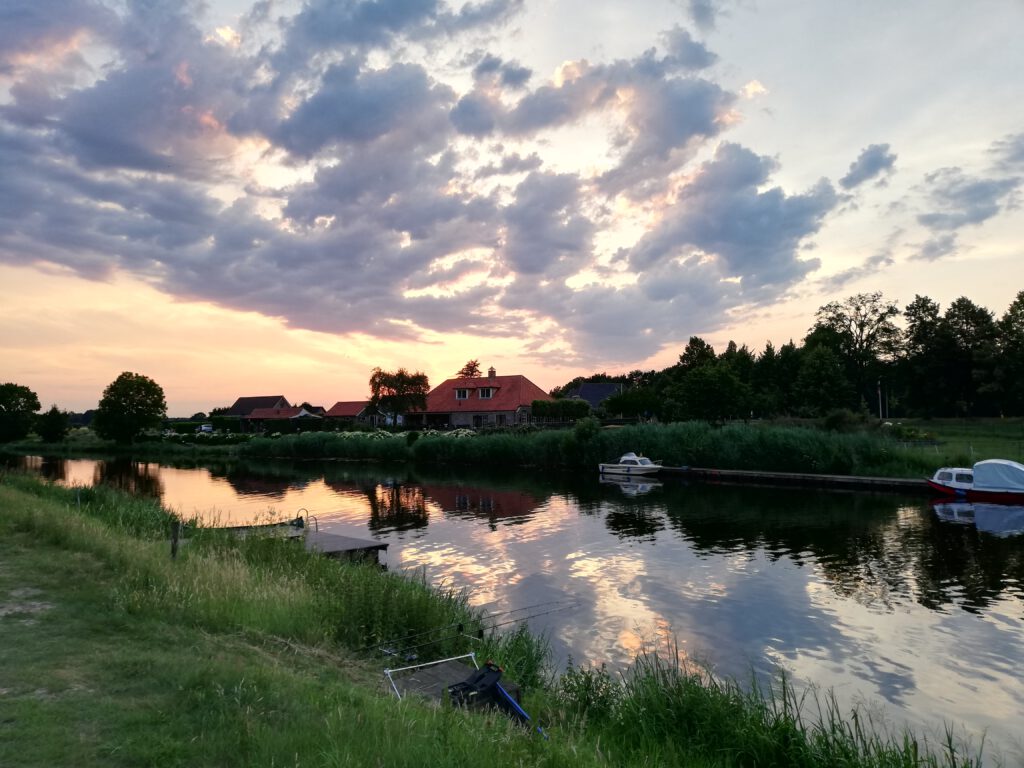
(959, 362)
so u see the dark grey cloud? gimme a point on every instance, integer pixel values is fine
(474, 115)
(513, 163)
(1009, 153)
(959, 200)
(873, 161)
(158, 107)
(545, 231)
(936, 247)
(354, 106)
(754, 233)
(684, 52)
(34, 26)
(509, 74)
(703, 12)
(359, 25)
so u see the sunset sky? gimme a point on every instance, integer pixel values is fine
(274, 197)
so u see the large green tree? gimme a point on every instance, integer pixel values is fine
(52, 426)
(867, 336)
(970, 377)
(18, 405)
(131, 404)
(398, 391)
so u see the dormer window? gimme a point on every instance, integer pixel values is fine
(486, 393)
(461, 394)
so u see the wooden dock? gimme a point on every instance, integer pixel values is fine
(800, 479)
(314, 540)
(337, 546)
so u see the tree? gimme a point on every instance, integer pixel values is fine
(697, 353)
(18, 405)
(53, 425)
(821, 384)
(399, 391)
(470, 370)
(1011, 357)
(974, 337)
(867, 335)
(130, 404)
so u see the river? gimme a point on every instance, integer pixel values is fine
(874, 597)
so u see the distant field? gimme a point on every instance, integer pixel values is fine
(964, 441)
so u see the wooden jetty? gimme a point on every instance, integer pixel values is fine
(800, 479)
(313, 539)
(337, 546)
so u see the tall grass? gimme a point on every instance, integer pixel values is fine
(683, 714)
(765, 448)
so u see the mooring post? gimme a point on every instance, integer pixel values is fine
(175, 535)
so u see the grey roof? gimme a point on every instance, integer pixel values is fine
(245, 405)
(595, 393)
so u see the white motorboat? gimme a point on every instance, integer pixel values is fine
(630, 464)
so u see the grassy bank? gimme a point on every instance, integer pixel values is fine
(250, 652)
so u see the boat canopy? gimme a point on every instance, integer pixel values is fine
(999, 475)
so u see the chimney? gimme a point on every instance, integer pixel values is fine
(491, 372)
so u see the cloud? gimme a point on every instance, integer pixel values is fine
(686, 53)
(354, 106)
(665, 111)
(545, 231)
(31, 28)
(385, 207)
(959, 200)
(937, 247)
(1009, 153)
(509, 74)
(871, 266)
(703, 12)
(754, 234)
(873, 161)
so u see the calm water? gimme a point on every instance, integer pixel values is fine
(873, 596)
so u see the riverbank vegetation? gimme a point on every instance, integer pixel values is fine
(248, 651)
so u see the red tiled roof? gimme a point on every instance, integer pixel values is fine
(509, 393)
(347, 408)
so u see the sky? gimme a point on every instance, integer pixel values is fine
(274, 197)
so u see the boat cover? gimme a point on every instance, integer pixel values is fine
(999, 475)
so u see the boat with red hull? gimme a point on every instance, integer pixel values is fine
(999, 481)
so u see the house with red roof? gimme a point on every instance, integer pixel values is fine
(479, 402)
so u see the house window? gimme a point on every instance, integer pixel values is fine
(461, 394)
(485, 393)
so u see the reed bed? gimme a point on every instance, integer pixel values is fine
(677, 713)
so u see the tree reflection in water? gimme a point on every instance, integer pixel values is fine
(135, 477)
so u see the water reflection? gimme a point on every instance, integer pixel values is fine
(135, 477)
(876, 595)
